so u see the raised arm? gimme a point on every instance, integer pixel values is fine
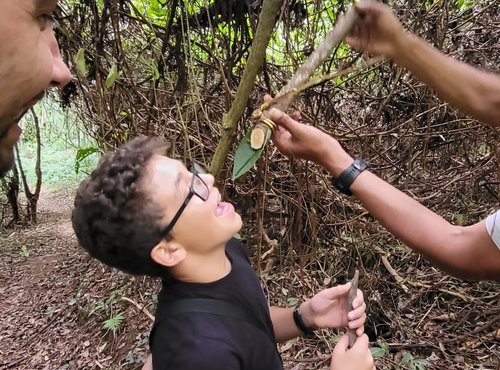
(471, 90)
(466, 252)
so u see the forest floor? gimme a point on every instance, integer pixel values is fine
(63, 310)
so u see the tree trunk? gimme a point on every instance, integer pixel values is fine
(12, 195)
(267, 21)
(32, 198)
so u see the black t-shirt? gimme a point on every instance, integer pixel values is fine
(201, 341)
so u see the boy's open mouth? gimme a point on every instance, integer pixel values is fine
(223, 208)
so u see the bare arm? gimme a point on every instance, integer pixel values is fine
(465, 252)
(284, 326)
(469, 89)
(148, 365)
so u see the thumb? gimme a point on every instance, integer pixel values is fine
(363, 6)
(353, 41)
(342, 345)
(361, 342)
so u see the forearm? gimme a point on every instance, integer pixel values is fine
(469, 89)
(465, 252)
(284, 326)
(417, 226)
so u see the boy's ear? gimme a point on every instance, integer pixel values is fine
(168, 253)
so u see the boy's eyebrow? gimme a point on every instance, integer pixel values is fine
(178, 181)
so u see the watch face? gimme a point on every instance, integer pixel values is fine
(358, 165)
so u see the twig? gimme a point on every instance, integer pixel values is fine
(416, 284)
(350, 298)
(300, 79)
(391, 270)
(141, 308)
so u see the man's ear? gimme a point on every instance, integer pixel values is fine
(168, 253)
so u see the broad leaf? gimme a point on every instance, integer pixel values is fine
(245, 156)
(380, 352)
(81, 154)
(80, 64)
(112, 76)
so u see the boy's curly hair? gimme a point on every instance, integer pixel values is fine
(113, 218)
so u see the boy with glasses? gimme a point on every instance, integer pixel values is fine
(146, 214)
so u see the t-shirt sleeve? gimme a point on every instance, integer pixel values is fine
(207, 354)
(493, 227)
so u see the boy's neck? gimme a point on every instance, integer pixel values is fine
(203, 268)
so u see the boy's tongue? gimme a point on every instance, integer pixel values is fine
(222, 208)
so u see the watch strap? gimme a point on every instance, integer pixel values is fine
(344, 181)
(299, 322)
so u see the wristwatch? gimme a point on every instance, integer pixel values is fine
(344, 181)
(299, 322)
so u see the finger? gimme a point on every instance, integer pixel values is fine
(364, 33)
(359, 300)
(360, 331)
(336, 291)
(356, 313)
(361, 342)
(360, 321)
(283, 119)
(342, 345)
(296, 115)
(267, 98)
(352, 37)
(353, 42)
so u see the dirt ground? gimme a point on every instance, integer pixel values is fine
(54, 300)
(58, 308)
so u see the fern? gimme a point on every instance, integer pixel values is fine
(113, 323)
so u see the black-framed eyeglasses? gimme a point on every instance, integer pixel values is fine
(198, 187)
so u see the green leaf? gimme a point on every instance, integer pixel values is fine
(112, 76)
(155, 72)
(80, 64)
(380, 352)
(24, 251)
(82, 154)
(245, 156)
(419, 364)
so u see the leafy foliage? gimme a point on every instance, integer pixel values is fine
(82, 154)
(113, 323)
(112, 76)
(80, 64)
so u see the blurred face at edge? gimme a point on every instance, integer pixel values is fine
(30, 63)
